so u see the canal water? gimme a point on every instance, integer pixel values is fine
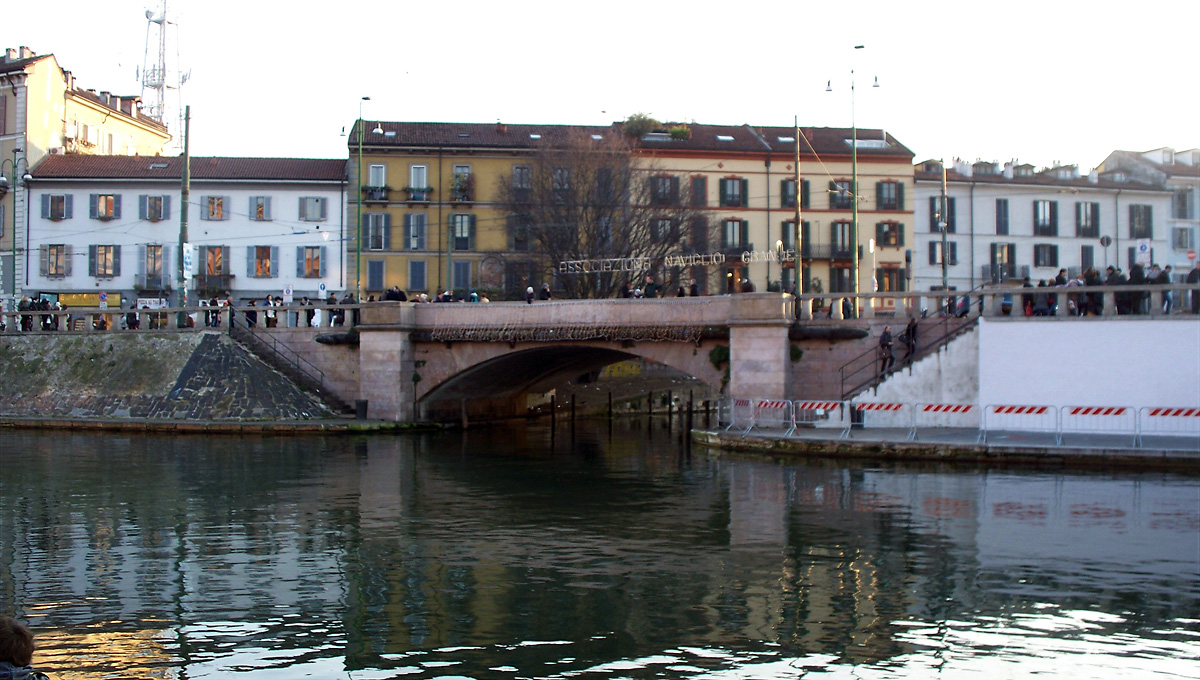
(590, 552)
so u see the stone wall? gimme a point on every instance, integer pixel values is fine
(178, 376)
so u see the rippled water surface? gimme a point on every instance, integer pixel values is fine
(599, 553)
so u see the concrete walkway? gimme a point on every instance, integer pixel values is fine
(1176, 452)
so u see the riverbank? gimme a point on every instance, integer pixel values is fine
(1179, 453)
(231, 427)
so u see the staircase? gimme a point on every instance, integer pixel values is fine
(862, 372)
(298, 369)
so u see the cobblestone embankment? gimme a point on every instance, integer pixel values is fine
(170, 377)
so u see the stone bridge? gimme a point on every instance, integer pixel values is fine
(411, 356)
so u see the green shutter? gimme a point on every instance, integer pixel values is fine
(900, 195)
(745, 193)
(878, 197)
(900, 241)
(745, 235)
(724, 198)
(833, 195)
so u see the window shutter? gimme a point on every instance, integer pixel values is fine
(92, 260)
(745, 235)
(141, 262)
(303, 208)
(299, 262)
(251, 271)
(933, 210)
(1054, 217)
(833, 195)
(878, 233)
(204, 208)
(225, 205)
(804, 193)
(699, 191)
(783, 193)
(674, 195)
(1078, 217)
(408, 227)
(69, 257)
(471, 233)
(168, 272)
(420, 227)
(699, 234)
(387, 231)
(745, 193)
(44, 260)
(274, 262)
(324, 207)
(116, 206)
(142, 200)
(724, 197)
(93, 199)
(166, 204)
(953, 252)
(45, 206)
(933, 252)
(900, 235)
(879, 196)
(70, 210)
(510, 223)
(900, 206)
(116, 260)
(951, 215)
(323, 258)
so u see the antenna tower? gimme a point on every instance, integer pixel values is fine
(158, 79)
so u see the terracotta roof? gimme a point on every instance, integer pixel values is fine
(20, 64)
(78, 166)
(702, 138)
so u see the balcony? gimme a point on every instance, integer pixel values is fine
(151, 282)
(212, 284)
(825, 251)
(419, 194)
(376, 194)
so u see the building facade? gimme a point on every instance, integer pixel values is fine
(44, 112)
(107, 229)
(433, 218)
(1178, 172)
(1003, 223)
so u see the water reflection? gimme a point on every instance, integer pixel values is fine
(594, 552)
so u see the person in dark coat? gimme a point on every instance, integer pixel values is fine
(1164, 278)
(909, 338)
(16, 651)
(886, 358)
(693, 288)
(544, 294)
(1193, 277)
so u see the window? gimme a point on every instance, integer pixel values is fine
(375, 275)
(1045, 218)
(104, 261)
(416, 275)
(154, 208)
(214, 261)
(735, 234)
(787, 193)
(840, 195)
(1045, 255)
(664, 191)
(418, 177)
(1002, 217)
(153, 263)
(377, 176)
(261, 259)
(519, 236)
(561, 179)
(1183, 238)
(662, 230)
(55, 260)
(214, 208)
(378, 228)
(889, 234)
(462, 228)
(56, 206)
(414, 231)
(1087, 220)
(889, 195)
(1003, 262)
(889, 279)
(260, 208)
(1087, 257)
(1141, 221)
(1183, 204)
(522, 177)
(699, 192)
(105, 206)
(840, 239)
(310, 262)
(312, 208)
(734, 192)
(935, 253)
(937, 215)
(839, 279)
(461, 275)
(787, 234)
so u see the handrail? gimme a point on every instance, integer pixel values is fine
(286, 354)
(852, 372)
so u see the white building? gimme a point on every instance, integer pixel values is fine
(108, 228)
(1178, 171)
(1008, 222)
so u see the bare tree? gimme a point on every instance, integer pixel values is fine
(598, 205)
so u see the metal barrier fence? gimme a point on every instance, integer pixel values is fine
(1103, 419)
(740, 411)
(809, 412)
(926, 416)
(1157, 420)
(1023, 418)
(773, 412)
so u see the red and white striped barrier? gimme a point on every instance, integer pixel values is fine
(1023, 418)
(1107, 419)
(1161, 420)
(888, 414)
(741, 412)
(773, 413)
(943, 415)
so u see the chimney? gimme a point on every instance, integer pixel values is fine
(1008, 169)
(26, 53)
(1093, 176)
(501, 127)
(10, 54)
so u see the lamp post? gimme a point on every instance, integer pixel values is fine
(14, 166)
(854, 252)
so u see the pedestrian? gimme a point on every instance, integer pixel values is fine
(625, 291)
(909, 338)
(269, 315)
(1193, 278)
(693, 288)
(1164, 278)
(886, 359)
(16, 651)
(650, 290)
(545, 292)
(529, 295)
(681, 293)
(309, 313)
(251, 315)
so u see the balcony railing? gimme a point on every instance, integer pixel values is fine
(462, 188)
(151, 282)
(376, 194)
(419, 194)
(825, 251)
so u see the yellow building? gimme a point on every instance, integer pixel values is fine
(42, 112)
(433, 219)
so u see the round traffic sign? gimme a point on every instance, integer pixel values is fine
(1105, 241)
(1191, 255)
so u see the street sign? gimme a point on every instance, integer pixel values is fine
(1105, 241)
(1192, 255)
(103, 300)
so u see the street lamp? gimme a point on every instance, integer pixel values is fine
(15, 167)
(855, 256)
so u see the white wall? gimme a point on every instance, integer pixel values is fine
(1079, 362)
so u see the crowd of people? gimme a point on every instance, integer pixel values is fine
(1060, 295)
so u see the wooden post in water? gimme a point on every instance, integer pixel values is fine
(610, 411)
(650, 404)
(553, 411)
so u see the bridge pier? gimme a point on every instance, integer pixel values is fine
(758, 347)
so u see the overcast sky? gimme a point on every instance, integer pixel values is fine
(1045, 81)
